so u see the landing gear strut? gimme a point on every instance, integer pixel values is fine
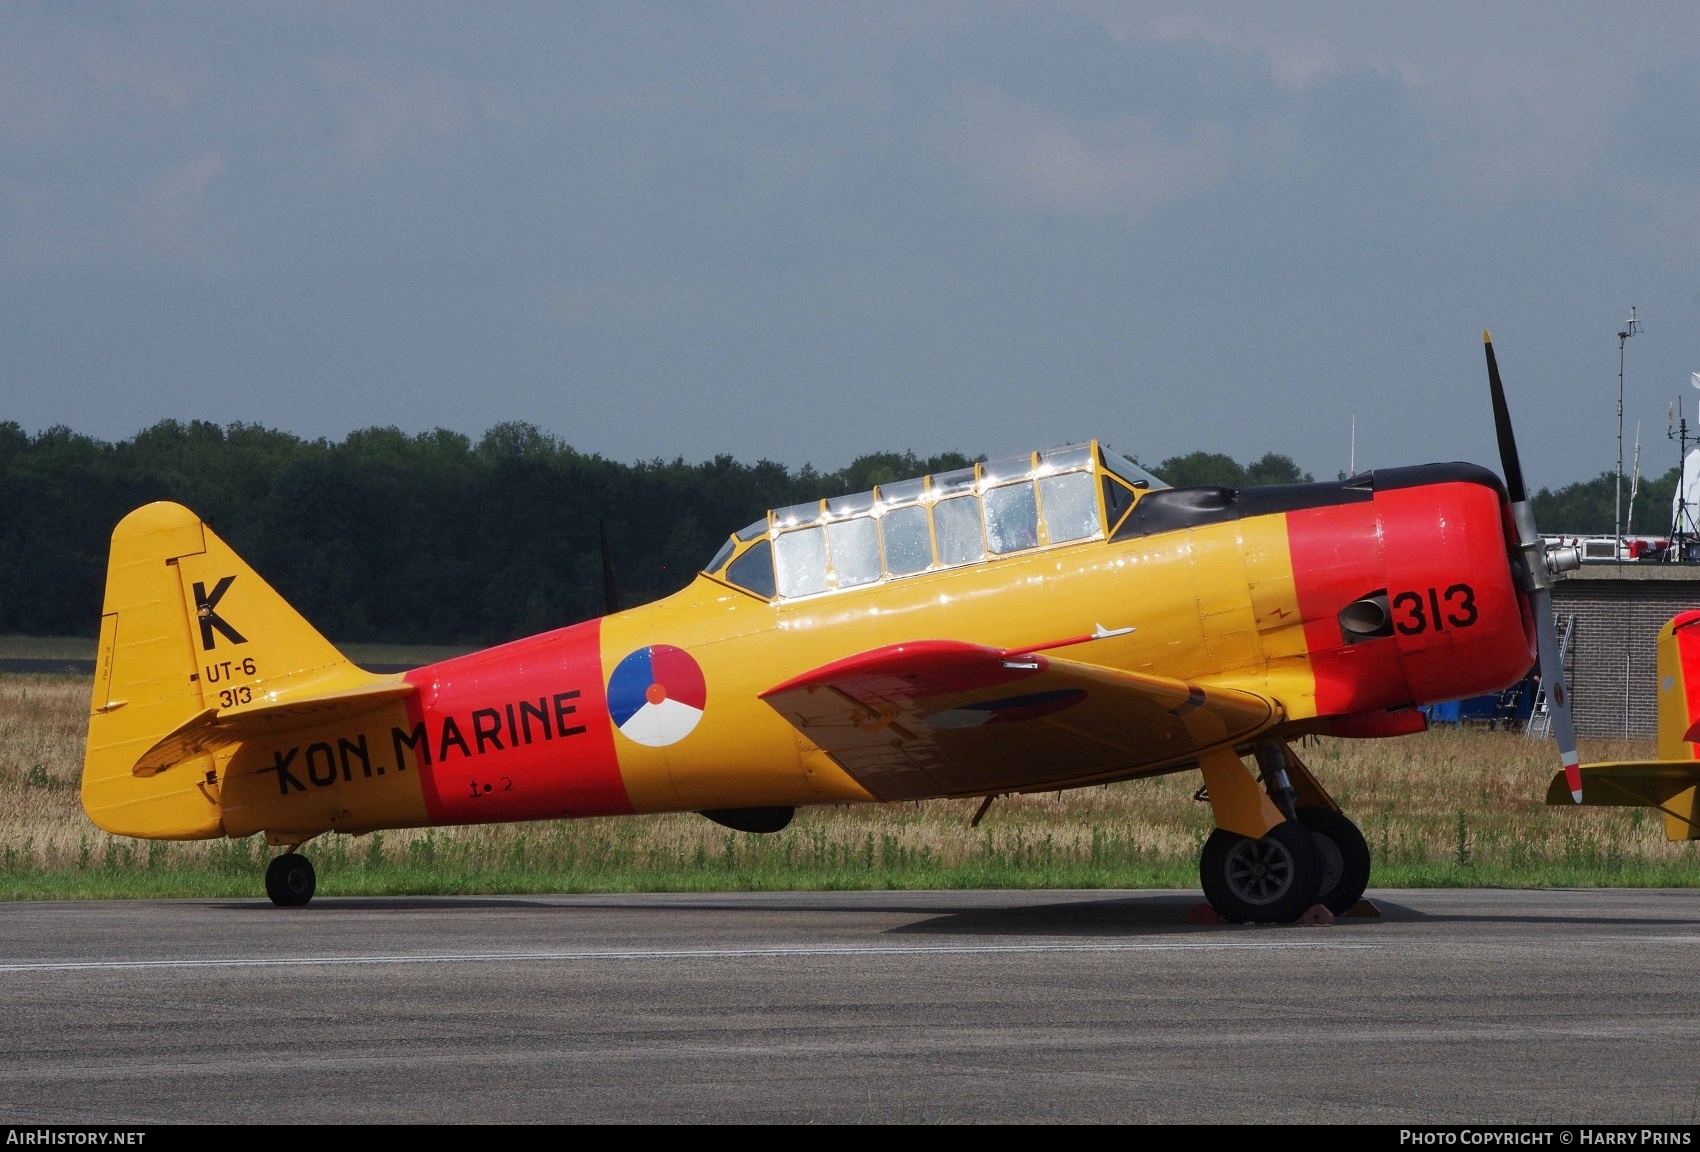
(1308, 852)
(1339, 844)
(290, 881)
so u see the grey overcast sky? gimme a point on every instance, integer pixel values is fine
(808, 231)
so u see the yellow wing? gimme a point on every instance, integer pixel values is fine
(942, 717)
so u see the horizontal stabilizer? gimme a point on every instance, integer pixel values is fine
(1631, 784)
(213, 728)
(1671, 786)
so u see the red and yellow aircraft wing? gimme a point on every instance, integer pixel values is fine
(945, 718)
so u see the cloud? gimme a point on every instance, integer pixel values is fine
(159, 218)
(1043, 161)
(628, 302)
(721, 201)
(167, 213)
(56, 82)
(1523, 99)
(380, 114)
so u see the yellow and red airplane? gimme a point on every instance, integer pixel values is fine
(1671, 783)
(1048, 621)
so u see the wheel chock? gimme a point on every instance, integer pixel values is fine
(1202, 914)
(1317, 916)
(1363, 908)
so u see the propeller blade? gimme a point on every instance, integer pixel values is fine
(1558, 693)
(610, 595)
(1502, 428)
(1537, 582)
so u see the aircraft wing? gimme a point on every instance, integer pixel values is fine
(941, 716)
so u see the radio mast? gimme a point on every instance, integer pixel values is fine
(1631, 327)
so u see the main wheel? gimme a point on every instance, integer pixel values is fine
(290, 880)
(1270, 881)
(1345, 858)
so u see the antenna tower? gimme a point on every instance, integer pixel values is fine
(1631, 327)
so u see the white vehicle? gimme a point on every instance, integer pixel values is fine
(1605, 550)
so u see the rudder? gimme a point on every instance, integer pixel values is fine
(1679, 718)
(1679, 687)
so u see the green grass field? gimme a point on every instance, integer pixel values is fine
(1447, 808)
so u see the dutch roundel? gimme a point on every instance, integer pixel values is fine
(656, 695)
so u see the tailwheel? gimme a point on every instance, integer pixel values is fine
(290, 880)
(1271, 880)
(1345, 858)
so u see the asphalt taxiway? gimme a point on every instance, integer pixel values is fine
(1526, 1007)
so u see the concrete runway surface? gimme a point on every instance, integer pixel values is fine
(1529, 1007)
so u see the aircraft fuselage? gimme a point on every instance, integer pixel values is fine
(1247, 589)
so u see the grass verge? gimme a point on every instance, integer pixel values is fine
(1445, 809)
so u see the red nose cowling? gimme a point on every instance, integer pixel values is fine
(1458, 626)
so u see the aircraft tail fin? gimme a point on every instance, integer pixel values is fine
(191, 641)
(1679, 688)
(1671, 783)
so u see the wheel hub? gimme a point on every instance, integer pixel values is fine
(1259, 871)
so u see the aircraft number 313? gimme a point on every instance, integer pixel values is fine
(1455, 607)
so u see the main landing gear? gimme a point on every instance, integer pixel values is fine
(290, 880)
(1344, 854)
(1273, 878)
(1304, 852)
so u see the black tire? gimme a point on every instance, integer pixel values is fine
(1269, 881)
(1345, 858)
(290, 880)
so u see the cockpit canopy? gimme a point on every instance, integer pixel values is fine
(944, 520)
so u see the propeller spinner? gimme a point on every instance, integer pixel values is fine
(1537, 571)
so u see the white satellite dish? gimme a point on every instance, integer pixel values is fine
(1685, 501)
(1694, 379)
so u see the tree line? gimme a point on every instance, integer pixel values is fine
(386, 536)
(437, 538)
